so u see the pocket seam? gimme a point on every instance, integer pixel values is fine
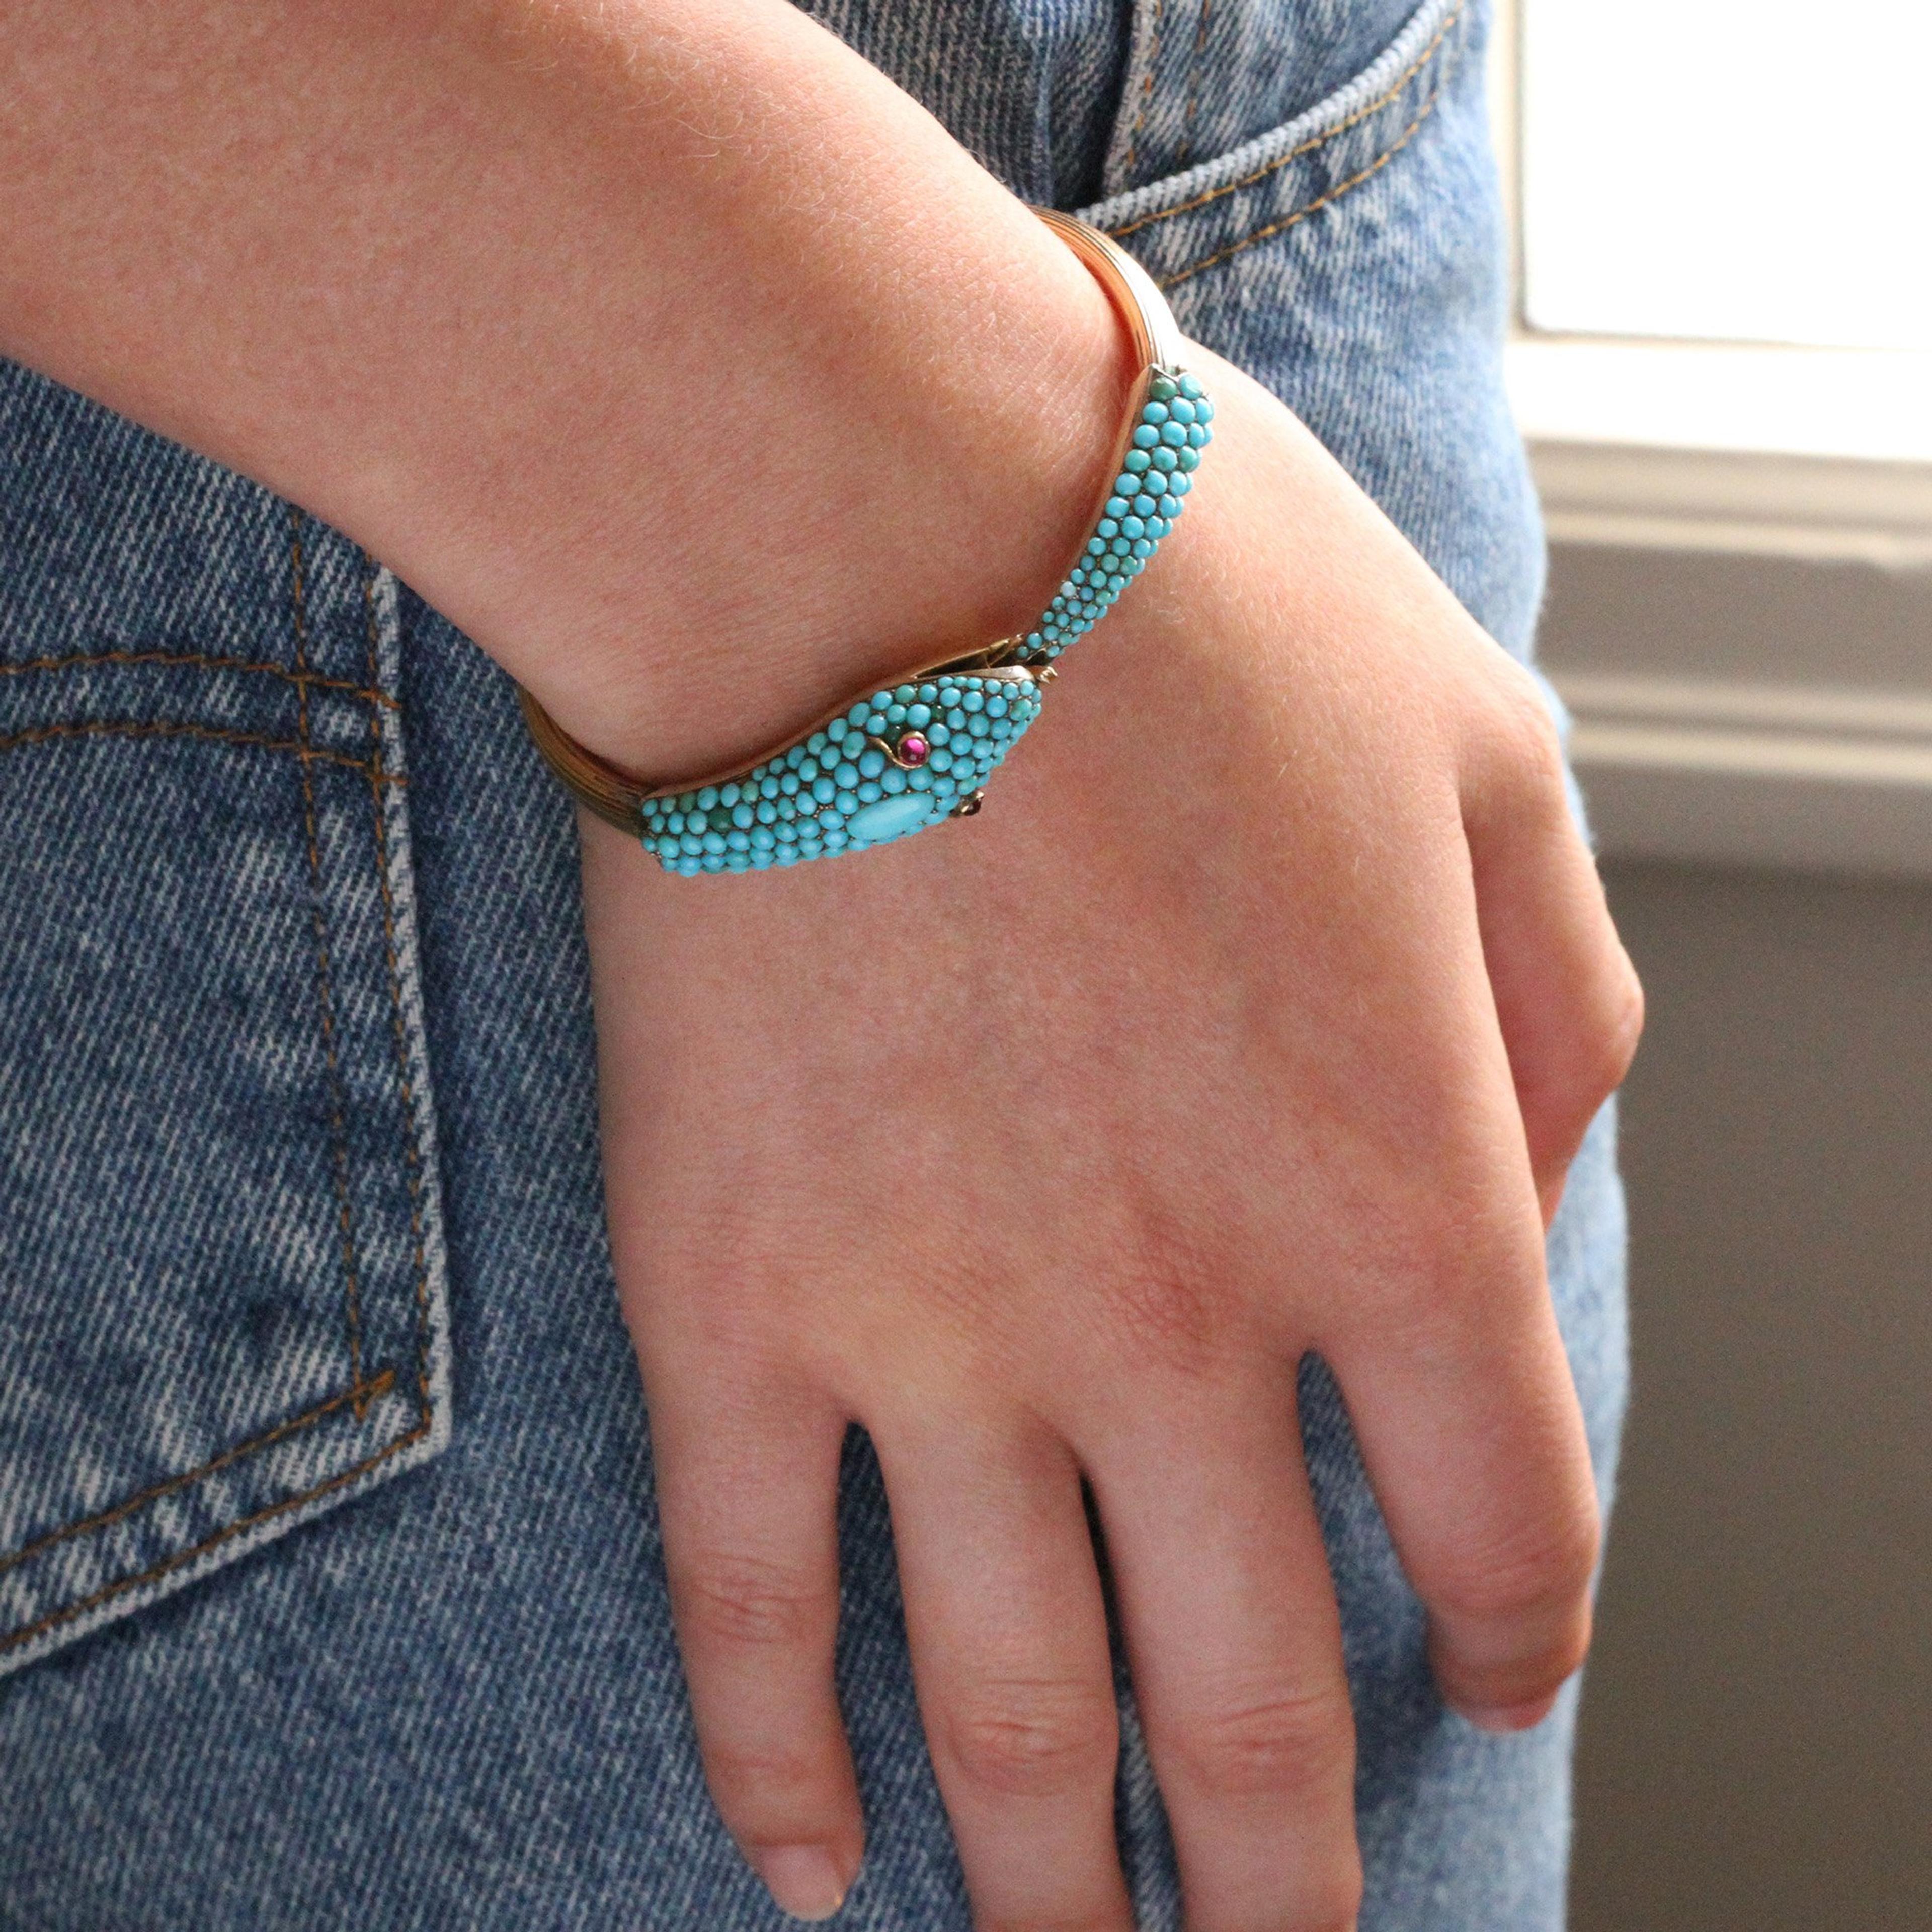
(170, 727)
(169, 1486)
(1281, 226)
(338, 1132)
(359, 1392)
(200, 661)
(1314, 144)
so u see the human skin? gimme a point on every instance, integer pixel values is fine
(1262, 1010)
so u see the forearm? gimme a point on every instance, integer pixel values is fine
(652, 344)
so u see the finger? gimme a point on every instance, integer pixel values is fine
(747, 1487)
(1462, 1400)
(1236, 1650)
(1566, 997)
(1009, 1639)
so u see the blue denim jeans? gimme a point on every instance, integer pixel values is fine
(331, 1589)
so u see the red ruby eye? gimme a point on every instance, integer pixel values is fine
(912, 749)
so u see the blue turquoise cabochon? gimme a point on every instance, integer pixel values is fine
(895, 762)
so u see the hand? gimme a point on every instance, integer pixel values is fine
(1261, 1012)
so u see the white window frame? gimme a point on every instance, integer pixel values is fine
(1777, 481)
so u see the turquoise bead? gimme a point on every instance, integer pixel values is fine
(839, 789)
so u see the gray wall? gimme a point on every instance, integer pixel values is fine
(1757, 1750)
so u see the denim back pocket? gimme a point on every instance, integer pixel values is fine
(222, 1293)
(1224, 82)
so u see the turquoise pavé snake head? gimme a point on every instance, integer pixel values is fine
(904, 759)
(895, 762)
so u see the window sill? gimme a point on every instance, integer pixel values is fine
(1740, 613)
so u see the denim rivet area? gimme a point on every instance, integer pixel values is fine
(896, 762)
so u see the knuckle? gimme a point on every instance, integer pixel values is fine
(756, 1785)
(734, 1599)
(1034, 1738)
(1529, 728)
(1621, 1026)
(1545, 1570)
(1271, 1745)
(1330, 1897)
(1163, 1307)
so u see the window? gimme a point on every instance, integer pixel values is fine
(1728, 170)
(1723, 362)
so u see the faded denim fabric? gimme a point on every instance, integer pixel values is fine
(300, 1225)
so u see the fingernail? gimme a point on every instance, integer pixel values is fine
(803, 1880)
(1510, 1717)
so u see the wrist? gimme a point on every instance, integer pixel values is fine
(947, 520)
